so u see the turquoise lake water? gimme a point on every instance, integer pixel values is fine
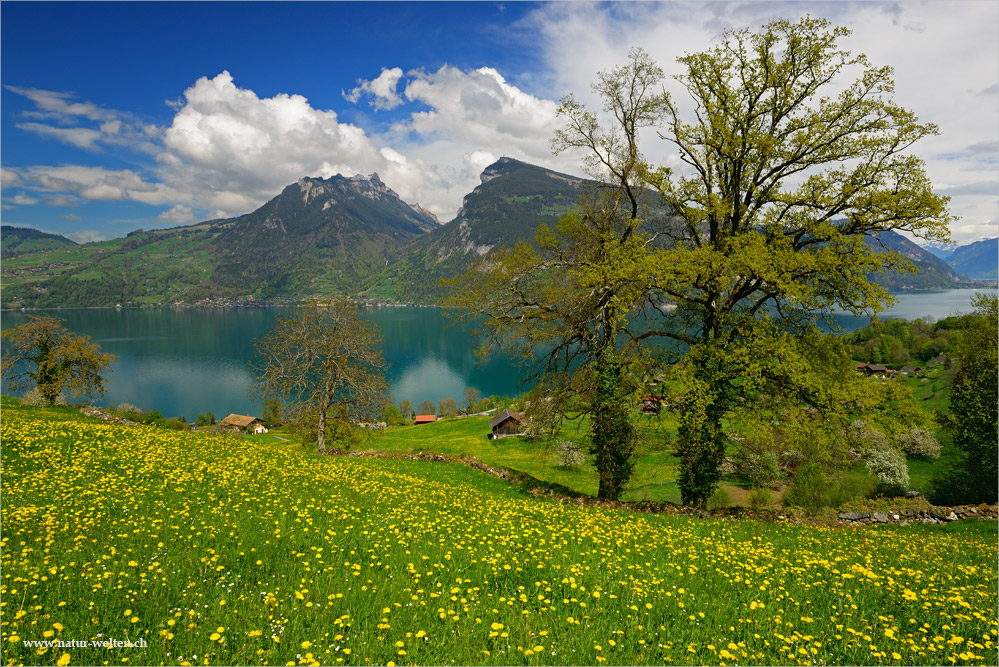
(189, 361)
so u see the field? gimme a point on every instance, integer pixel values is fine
(207, 549)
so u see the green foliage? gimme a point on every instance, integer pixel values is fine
(612, 441)
(971, 470)
(406, 409)
(760, 498)
(813, 488)
(719, 499)
(271, 412)
(448, 407)
(44, 354)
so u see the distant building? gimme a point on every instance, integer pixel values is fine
(910, 370)
(424, 419)
(506, 423)
(239, 422)
(651, 405)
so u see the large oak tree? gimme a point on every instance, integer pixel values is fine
(792, 152)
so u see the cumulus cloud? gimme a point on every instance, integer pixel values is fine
(177, 214)
(479, 108)
(23, 200)
(382, 89)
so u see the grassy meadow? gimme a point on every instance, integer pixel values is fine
(219, 550)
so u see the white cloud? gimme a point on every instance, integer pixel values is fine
(87, 236)
(9, 178)
(382, 89)
(24, 200)
(62, 201)
(177, 214)
(58, 103)
(480, 109)
(80, 137)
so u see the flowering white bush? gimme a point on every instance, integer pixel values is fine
(919, 442)
(889, 466)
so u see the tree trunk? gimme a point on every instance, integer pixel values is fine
(613, 440)
(321, 432)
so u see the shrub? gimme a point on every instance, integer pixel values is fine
(889, 466)
(35, 399)
(570, 454)
(720, 499)
(807, 488)
(919, 442)
(129, 411)
(761, 468)
(760, 498)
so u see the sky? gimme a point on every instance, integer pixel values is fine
(118, 116)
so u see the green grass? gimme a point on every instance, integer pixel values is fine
(655, 471)
(241, 551)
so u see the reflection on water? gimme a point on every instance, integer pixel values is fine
(186, 362)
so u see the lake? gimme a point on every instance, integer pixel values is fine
(189, 361)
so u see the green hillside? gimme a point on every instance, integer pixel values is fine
(210, 549)
(17, 241)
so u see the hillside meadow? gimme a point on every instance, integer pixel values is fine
(217, 550)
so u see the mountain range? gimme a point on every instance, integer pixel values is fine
(339, 235)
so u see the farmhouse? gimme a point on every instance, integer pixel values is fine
(239, 422)
(507, 423)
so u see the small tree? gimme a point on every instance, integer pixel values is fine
(449, 407)
(428, 408)
(406, 409)
(326, 364)
(271, 412)
(471, 398)
(44, 354)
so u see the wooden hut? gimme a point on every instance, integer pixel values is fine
(506, 423)
(424, 419)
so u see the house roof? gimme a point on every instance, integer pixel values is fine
(503, 416)
(877, 368)
(424, 419)
(238, 420)
(909, 369)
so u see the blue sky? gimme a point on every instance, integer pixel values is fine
(115, 116)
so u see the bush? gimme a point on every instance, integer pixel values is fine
(889, 466)
(570, 454)
(34, 398)
(720, 499)
(919, 442)
(760, 498)
(129, 411)
(807, 488)
(761, 468)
